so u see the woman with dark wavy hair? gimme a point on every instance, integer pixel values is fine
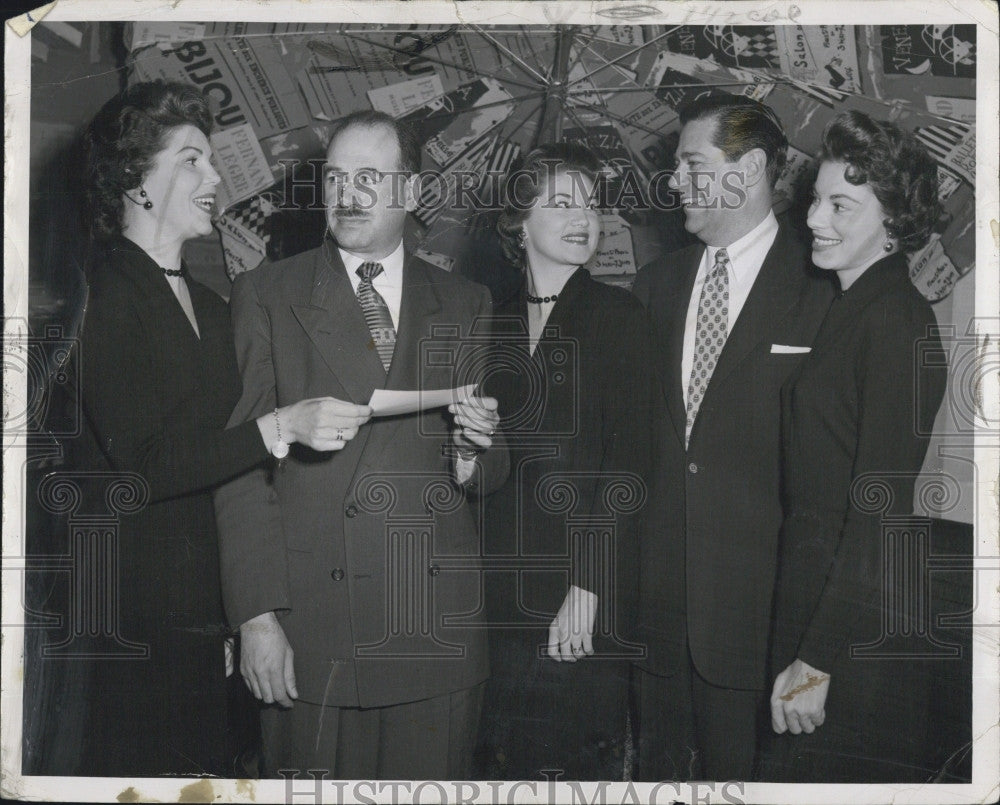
(858, 412)
(159, 380)
(571, 375)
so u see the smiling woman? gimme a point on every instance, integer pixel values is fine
(571, 376)
(159, 382)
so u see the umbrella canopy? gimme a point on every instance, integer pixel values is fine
(481, 95)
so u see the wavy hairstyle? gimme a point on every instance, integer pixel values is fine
(893, 163)
(741, 124)
(525, 184)
(123, 139)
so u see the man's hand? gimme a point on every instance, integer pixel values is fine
(266, 660)
(798, 699)
(476, 421)
(571, 634)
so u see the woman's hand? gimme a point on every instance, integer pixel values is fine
(322, 423)
(571, 634)
(476, 421)
(799, 698)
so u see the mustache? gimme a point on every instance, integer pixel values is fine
(350, 212)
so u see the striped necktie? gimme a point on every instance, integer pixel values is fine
(376, 312)
(710, 334)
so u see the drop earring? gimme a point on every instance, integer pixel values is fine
(887, 246)
(147, 204)
(520, 239)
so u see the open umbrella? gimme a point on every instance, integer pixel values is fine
(483, 94)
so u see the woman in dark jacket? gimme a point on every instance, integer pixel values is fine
(857, 419)
(571, 375)
(159, 381)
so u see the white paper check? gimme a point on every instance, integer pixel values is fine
(388, 402)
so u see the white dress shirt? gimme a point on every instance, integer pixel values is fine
(389, 283)
(746, 256)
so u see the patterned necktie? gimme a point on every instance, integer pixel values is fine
(376, 312)
(710, 334)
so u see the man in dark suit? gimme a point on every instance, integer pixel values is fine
(731, 318)
(354, 574)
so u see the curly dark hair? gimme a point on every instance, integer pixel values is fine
(893, 163)
(525, 183)
(124, 137)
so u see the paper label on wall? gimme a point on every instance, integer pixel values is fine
(241, 164)
(932, 271)
(615, 254)
(244, 79)
(440, 260)
(466, 128)
(822, 55)
(163, 33)
(398, 99)
(961, 109)
(937, 50)
(797, 165)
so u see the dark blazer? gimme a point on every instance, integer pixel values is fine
(369, 554)
(156, 399)
(709, 547)
(574, 414)
(863, 403)
(858, 417)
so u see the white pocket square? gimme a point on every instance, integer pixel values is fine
(784, 349)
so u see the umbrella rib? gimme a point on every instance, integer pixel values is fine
(517, 59)
(584, 47)
(434, 60)
(619, 118)
(625, 55)
(454, 113)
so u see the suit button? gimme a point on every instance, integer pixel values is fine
(337, 574)
(692, 468)
(434, 570)
(351, 511)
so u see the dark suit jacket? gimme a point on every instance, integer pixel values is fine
(369, 554)
(574, 414)
(157, 399)
(709, 547)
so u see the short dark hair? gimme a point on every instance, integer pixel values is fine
(893, 163)
(742, 124)
(406, 135)
(124, 137)
(534, 169)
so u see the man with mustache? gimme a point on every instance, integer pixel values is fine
(732, 317)
(335, 564)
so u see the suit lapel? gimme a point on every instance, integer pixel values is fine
(334, 322)
(772, 296)
(419, 306)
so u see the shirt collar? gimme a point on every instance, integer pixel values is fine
(748, 252)
(392, 266)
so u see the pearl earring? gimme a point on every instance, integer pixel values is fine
(147, 204)
(887, 246)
